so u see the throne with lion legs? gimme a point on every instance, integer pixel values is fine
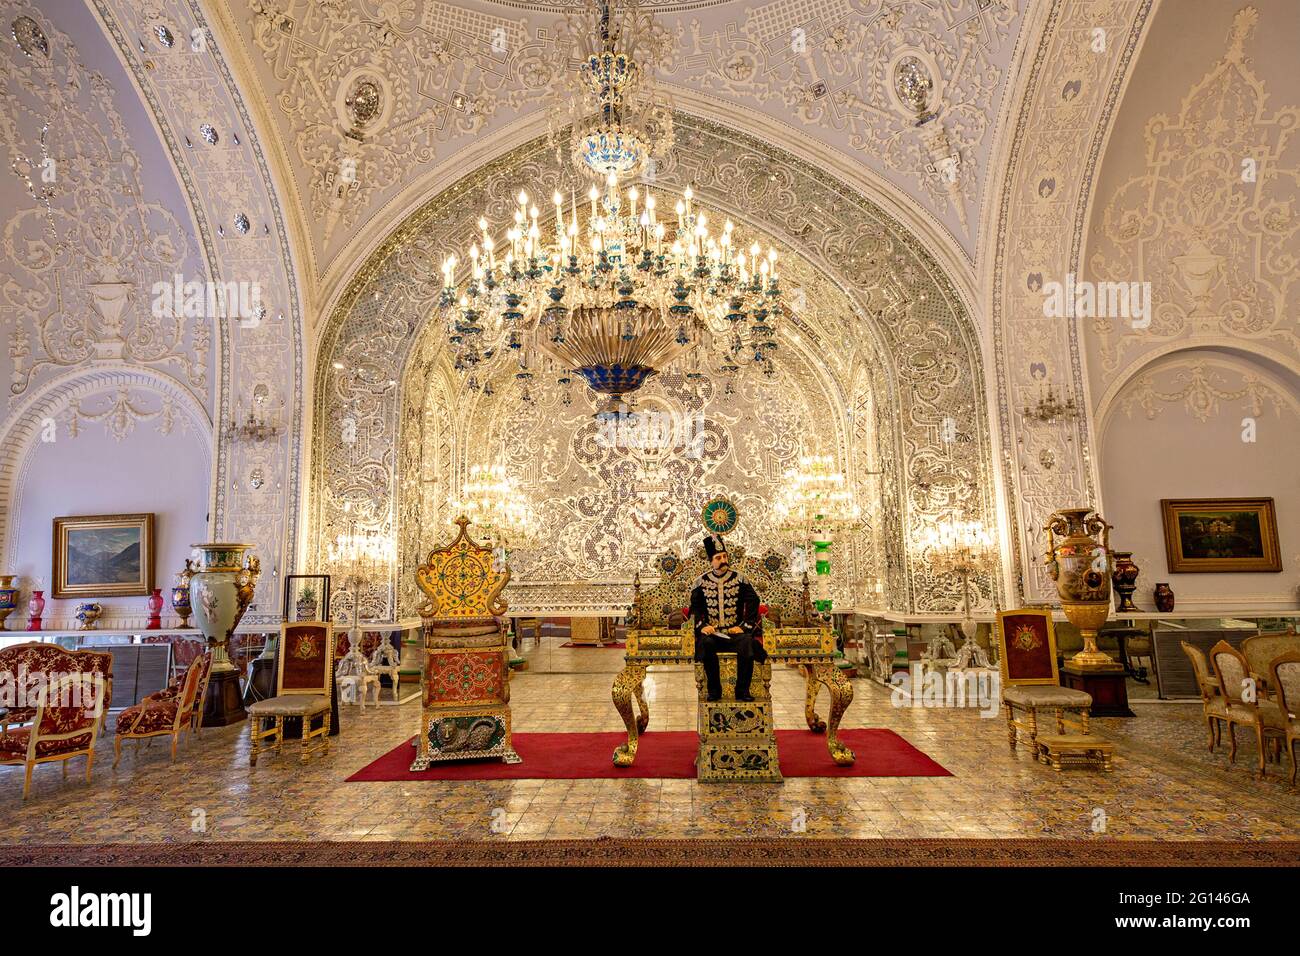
(660, 632)
(465, 712)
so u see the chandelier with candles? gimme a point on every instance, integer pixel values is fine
(492, 501)
(608, 287)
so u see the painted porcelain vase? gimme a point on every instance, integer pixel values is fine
(181, 594)
(88, 613)
(1079, 560)
(221, 588)
(35, 608)
(8, 594)
(1164, 596)
(1124, 578)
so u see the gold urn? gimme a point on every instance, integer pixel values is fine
(1080, 561)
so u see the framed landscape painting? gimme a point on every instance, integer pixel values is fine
(1221, 534)
(103, 556)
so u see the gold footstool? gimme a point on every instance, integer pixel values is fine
(737, 738)
(1085, 749)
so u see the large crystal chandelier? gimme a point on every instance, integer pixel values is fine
(497, 506)
(608, 287)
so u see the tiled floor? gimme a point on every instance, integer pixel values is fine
(1165, 784)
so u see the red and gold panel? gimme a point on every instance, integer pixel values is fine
(1028, 644)
(306, 658)
(456, 678)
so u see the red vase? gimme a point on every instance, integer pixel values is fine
(1164, 595)
(155, 610)
(35, 608)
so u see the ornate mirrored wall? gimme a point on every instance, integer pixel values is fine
(879, 367)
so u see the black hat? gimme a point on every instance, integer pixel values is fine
(713, 544)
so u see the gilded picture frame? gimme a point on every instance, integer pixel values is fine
(99, 556)
(1221, 534)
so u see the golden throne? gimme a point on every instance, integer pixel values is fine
(466, 691)
(793, 633)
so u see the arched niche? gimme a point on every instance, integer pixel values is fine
(881, 328)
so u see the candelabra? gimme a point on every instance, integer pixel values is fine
(258, 426)
(962, 548)
(362, 557)
(815, 503)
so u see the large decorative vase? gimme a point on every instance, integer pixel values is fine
(1124, 577)
(181, 594)
(221, 588)
(35, 608)
(155, 604)
(87, 614)
(1164, 596)
(1079, 561)
(7, 595)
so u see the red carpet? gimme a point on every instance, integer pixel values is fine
(617, 645)
(881, 753)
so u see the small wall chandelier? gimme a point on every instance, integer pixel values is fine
(1050, 409)
(259, 425)
(627, 293)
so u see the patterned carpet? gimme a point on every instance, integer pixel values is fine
(609, 851)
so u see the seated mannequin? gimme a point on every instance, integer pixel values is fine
(724, 607)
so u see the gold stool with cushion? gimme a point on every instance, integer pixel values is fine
(304, 672)
(1030, 681)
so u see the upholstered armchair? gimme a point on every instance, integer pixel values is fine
(65, 722)
(1242, 706)
(304, 679)
(173, 690)
(1213, 705)
(1285, 673)
(36, 657)
(164, 714)
(465, 711)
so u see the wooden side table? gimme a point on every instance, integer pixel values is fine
(1106, 686)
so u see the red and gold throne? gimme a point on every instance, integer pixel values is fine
(466, 694)
(659, 632)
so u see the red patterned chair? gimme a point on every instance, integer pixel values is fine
(65, 722)
(172, 690)
(163, 714)
(466, 694)
(21, 660)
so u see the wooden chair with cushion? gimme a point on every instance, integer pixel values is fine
(304, 672)
(1261, 650)
(163, 714)
(1243, 704)
(66, 720)
(1214, 707)
(1030, 679)
(1285, 673)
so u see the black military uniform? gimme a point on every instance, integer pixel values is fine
(730, 603)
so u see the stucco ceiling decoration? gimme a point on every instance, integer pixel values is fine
(1069, 95)
(86, 241)
(437, 77)
(1210, 221)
